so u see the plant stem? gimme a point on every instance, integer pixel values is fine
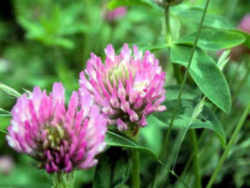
(135, 169)
(167, 24)
(163, 175)
(168, 32)
(235, 73)
(188, 164)
(229, 146)
(166, 137)
(177, 73)
(241, 84)
(63, 180)
(196, 159)
(179, 179)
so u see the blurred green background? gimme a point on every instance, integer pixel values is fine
(44, 41)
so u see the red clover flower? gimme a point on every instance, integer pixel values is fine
(127, 86)
(111, 15)
(60, 138)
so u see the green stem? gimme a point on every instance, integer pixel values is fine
(167, 24)
(235, 73)
(177, 73)
(196, 159)
(241, 84)
(135, 169)
(168, 32)
(163, 174)
(188, 164)
(62, 180)
(179, 179)
(166, 137)
(159, 178)
(229, 146)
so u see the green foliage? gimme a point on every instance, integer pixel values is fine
(8, 90)
(31, 177)
(153, 134)
(113, 169)
(54, 28)
(117, 3)
(192, 16)
(206, 119)
(114, 139)
(104, 167)
(206, 75)
(209, 39)
(247, 36)
(4, 112)
(45, 41)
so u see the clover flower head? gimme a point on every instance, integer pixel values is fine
(117, 13)
(245, 23)
(61, 138)
(128, 86)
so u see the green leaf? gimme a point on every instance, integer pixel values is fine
(8, 90)
(5, 122)
(117, 3)
(187, 93)
(206, 119)
(150, 47)
(206, 75)
(223, 59)
(103, 167)
(114, 163)
(214, 39)
(121, 170)
(114, 139)
(247, 42)
(122, 186)
(49, 31)
(4, 113)
(247, 36)
(153, 136)
(153, 120)
(191, 16)
(153, 48)
(33, 29)
(61, 41)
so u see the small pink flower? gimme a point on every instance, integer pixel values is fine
(127, 86)
(245, 24)
(115, 14)
(61, 138)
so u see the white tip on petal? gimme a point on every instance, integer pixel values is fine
(110, 52)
